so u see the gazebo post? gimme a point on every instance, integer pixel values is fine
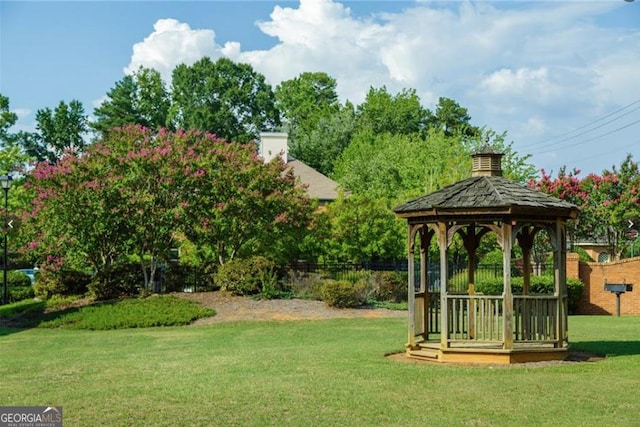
(507, 303)
(411, 282)
(425, 238)
(443, 245)
(560, 281)
(525, 240)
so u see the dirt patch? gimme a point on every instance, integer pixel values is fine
(232, 308)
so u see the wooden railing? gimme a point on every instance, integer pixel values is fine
(535, 318)
(480, 318)
(477, 318)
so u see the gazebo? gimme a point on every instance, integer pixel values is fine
(451, 326)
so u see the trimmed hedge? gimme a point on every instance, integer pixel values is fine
(539, 285)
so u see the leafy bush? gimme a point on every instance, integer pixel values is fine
(163, 310)
(125, 279)
(20, 293)
(248, 276)
(343, 294)
(63, 282)
(17, 278)
(390, 286)
(539, 285)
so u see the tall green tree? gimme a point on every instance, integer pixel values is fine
(361, 228)
(12, 157)
(63, 129)
(230, 100)
(140, 98)
(401, 114)
(452, 119)
(396, 167)
(324, 144)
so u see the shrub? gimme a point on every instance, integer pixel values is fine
(125, 279)
(390, 286)
(63, 282)
(343, 294)
(164, 310)
(17, 278)
(248, 276)
(20, 293)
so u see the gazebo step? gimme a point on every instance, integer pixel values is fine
(424, 353)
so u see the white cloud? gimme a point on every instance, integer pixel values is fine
(170, 44)
(21, 112)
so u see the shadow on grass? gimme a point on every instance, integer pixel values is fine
(608, 348)
(14, 319)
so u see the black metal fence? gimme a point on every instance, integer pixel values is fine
(458, 272)
(194, 280)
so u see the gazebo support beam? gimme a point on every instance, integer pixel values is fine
(507, 303)
(443, 245)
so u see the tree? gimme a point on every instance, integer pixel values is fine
(397, 167)
(400, 114)
(242, 206)
(227, 99)
(614, 200)
(361, 228)
(324, 144)
(452, 119)
(12, 157)
(57, 131)
(304, 100)
(606, 202)
(140, 98)
(137, 190)
(318, 127)
(568, 186)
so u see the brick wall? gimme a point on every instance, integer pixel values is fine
(595, 300)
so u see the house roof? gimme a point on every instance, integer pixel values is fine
(318, 185)
(493, 195)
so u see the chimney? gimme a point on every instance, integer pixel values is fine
(487, 162)
(273, 144)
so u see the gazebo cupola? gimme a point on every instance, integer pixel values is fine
(446, 324)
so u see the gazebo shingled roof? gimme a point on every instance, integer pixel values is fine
(491, 193)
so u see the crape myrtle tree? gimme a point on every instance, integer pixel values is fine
(135, 191)
(607, 202)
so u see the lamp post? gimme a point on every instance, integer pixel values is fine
(5, 183)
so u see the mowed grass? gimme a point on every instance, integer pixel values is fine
(311, 373)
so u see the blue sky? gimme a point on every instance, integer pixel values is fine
(561, 77)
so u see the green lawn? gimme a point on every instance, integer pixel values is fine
(310, 373)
